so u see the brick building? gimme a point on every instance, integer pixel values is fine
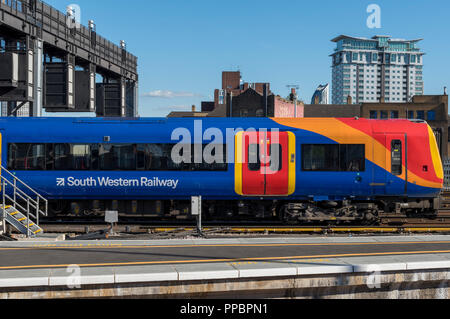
(242, 99)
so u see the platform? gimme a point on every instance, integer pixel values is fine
(267, 267)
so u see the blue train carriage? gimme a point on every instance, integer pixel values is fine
(294, 169)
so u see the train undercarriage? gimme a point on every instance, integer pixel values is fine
(298, 212)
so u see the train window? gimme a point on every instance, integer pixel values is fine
(81, 157)
(61, 156)
(49, 157)
(17, 156)
(117, 157)
(26, 157)
(334, 157)
(353, 158)
(320, 157)
(397, 155)
(124, 157)
(214, 158)
(254, 161)
(95, 157)
(276, 158)
(143, 157)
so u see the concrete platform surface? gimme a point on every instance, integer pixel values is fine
(73, 276)
(52, 240)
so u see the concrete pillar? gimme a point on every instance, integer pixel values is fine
(70, 81)
(92, 86)
(38, 78)
(136, 99)
(123, 97)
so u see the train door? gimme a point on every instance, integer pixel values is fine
(397, 163)
(380, 168)
(266, 163)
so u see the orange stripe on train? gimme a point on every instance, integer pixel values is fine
(351, 131)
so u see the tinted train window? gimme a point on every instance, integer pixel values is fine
(334, 157)
(320, 157)
(27, 156)
(276, 158)
(123, 157)
(396, 160)
(254, 161)
(352, 158)
(81, 157)
(116, 157)
(61, 154)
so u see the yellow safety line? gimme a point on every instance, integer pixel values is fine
(22, 219)
(119, 246)
(230, 260)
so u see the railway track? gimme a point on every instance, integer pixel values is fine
(161, 229)
(154, 232)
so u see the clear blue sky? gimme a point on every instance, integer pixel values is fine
(183, 46)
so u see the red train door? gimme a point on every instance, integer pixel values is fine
(267, 166)
(277, 163)
(253, 168)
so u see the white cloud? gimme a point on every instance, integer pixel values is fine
(166, 94)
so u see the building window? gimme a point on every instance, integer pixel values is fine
(374, 115)
(431, 116)
(221, 97)
(384, 115)
(411, 115)
(394, 114)
(260, 113)
(244, 113)
(421, 115)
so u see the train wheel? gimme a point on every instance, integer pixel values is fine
(58, 207)
(287, 217)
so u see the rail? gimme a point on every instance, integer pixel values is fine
(19, 197)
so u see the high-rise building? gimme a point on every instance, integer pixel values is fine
(377, 69)
(322, 95)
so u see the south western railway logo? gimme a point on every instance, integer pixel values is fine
(117, 182)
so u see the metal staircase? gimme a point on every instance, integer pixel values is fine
(21, 205)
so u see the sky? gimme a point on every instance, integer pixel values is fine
(183, 46)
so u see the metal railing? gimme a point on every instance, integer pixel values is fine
(32, 206)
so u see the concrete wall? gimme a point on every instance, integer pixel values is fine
(286, 109)
(332, 110)
(420, 284)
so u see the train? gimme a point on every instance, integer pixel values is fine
(297, 170)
